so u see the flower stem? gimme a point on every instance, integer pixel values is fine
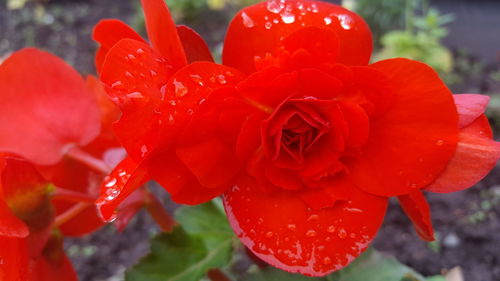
(72, 196)
(70, 213)
(89, 160)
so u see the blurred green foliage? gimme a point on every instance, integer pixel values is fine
(409, 29)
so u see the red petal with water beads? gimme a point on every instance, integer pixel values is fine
(162, 32)
(195, 47)
(136, 76)
(283, 231)
(53, 107)
(259, 29)
(417, 209)
(14, 256)
(413, 140)
(118, 185)
(107, 33)
(476, 155)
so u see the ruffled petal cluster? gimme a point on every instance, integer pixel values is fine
(304, 139)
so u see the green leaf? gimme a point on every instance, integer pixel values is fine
(202, 241)
(375, 266)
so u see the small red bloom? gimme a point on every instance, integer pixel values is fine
(304, 139)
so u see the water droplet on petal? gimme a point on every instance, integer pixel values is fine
(287, 17)
(140, 51)
(313, 218)
(180, 89)
(269, 234)
(153, 73)
(247, 21)
(327, 20)
(274, 6)
(144, 150)
(131, 57)
(314, 8)
(292, 227)
(222, 79)
(327, 261)
(268, 25)
(110, 182)
(276, 20)
(345, 21)
(135, 95)
(439, 142)
(128, 74)
(342, 233)
(116, 84)
(331, 229)
(311, 233)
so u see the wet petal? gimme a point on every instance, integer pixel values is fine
(412, 142)
(417, 209)
(107, 33)
(162, 32)
(46, 107)
(284, 232)
(259, 29)
(123, 181)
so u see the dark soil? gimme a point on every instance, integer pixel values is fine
(467, 222)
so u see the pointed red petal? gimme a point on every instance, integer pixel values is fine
(470, 107)
(46, 107)
(413, 140)
(123, 180)
(417, 209)
(53, 264)
(283, 231)
(163, 33)
(476, 155)
(258, 30)
(107, 33)
(195, 47)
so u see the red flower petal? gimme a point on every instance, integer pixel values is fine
(179, 181)
(258, 30)
(470, 107)
(43, 115)
(412, 142)
(10, 225)
(476, 155)
(284, 232)
(195, 47)
(14, 257)
(417, 209)
(162, 32)
(123, 180)
(107, 33)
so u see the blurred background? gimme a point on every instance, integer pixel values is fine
(459, 38)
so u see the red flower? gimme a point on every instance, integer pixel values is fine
(303, 138)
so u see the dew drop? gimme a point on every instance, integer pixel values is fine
(222, 79)
(352, 235)
(135, 95)
(268, 25)
(112, 193)
(439, 142)
(313, 218)
(314, 8)
(328, 239)
(269, 234)
(111, 182)
(140, 51)
(180, 89)
(345, 21)
(331, 229)
(413, 185)
(153, 73)
(131, 57)
(287, 17)
(342, 233)
(128, 74)
(202, 101)
(116, 84)
(163, 91)
(247, 21)
(327, 261)
(274, 6)
(276, 20)
(190, 111)
(311, 233)
(144, 150)
(327, 20)
(292, 227)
